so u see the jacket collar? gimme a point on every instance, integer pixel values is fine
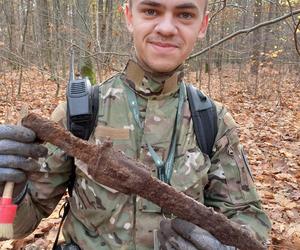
(152, 85)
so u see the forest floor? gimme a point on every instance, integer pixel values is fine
(267, 112)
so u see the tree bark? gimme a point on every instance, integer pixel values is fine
(45, 31)
(10, 14)
(256, 38)
(114, 169)
(268, 29)
(28, 9)
(101, 18)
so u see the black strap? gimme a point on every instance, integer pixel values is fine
(83, 130)
(95, 108)
(64, 209)
(204, 115)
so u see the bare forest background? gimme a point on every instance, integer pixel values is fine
(249, 60)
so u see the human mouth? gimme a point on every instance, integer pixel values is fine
(164, 47)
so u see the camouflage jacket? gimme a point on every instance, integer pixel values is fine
(103, 218)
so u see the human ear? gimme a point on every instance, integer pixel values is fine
(128, 18)
(203, 26)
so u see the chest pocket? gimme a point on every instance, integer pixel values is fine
(190, 173)
(237, 171)
(112, 133)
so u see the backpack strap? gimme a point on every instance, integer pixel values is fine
(83, 130)
(204, 116)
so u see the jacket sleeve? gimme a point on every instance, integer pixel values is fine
(231, 188)
(45, 188)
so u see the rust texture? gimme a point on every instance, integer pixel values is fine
(113, 169)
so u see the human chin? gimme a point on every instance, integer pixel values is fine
(162, 65)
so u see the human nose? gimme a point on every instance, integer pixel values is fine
(166, 26)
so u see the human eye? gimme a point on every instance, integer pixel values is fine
(186, 15)
(150, 12)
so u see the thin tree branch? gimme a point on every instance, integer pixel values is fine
(83, 20)
(295, 37)
(219, 10)
(291, 10)
(275, 20)
(238, 7)
(23, 64)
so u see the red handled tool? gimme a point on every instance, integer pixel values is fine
(7, 212)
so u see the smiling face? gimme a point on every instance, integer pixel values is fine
(165, 31)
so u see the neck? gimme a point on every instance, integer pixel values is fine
(157, 76)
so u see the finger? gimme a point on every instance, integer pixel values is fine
(166, 229)
(181, 244)
(19, 162)
(201, 238)
(165, 233)
(12, 175)
(16, 133)
(8, 147)
(170, 247)
(162, 240)
(182, 227)
(164, 244)
(172, 240)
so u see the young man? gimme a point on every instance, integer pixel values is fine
(143, 110)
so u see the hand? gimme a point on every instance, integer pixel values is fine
(179, 234)
(18, 157)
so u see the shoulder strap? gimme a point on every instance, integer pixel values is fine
(82, 130)
(204, 115)
(95, 100)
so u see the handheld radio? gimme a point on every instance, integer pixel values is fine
(79, 103)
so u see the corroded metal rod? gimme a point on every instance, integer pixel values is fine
(113, 169)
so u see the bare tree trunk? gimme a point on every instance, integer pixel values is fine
(83, 33)
(220, 56)
(59, 38)
(208, 62)
(268, 28)
(109, 28)
(242, 61)
(102, 23)
(219, 59)
(45, 31)
(28, 7)
(10, 14)
(256, 38)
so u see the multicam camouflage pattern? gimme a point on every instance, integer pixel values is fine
(103, 218)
